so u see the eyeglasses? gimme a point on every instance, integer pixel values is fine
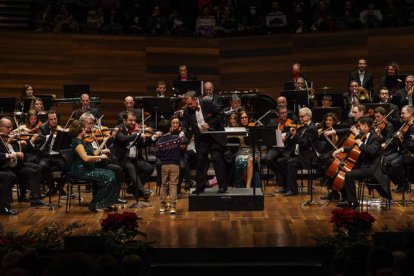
(244, 117)
(301, 116)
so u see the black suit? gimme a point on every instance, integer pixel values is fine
(94, 111)
(7, 179)
(370, 166)
(205, 144)
(367, 82)
(306, 139)
(401, 97)
(48, 161)
(137, 169)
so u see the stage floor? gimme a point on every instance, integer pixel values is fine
(283, 222)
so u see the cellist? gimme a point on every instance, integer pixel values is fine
(369, 145)
(395, 162)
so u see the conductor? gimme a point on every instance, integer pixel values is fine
(204, 116)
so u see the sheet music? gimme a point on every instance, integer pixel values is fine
(279, 141)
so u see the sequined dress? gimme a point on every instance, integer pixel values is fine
(242, 158)
(104, 187)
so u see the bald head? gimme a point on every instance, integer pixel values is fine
(281, 101)
(129, 103)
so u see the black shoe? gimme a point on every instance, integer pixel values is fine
(38, 203)
(290, 193)
(130, 190)
(282, 191)
(331, 196)
(222, 191)
(353, 205)
(8, 212)
(122, 201)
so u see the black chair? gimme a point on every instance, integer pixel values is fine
(371, 184)
(72, 179)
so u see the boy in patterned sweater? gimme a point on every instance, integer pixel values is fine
(168, 151)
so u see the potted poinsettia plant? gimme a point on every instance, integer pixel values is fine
(121, 235)
(352, 229)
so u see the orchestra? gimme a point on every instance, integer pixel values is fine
(369, 139)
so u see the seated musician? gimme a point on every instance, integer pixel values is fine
(7, 180)
(202, 116)
(244, 159)
(283, 123)
(283, 101)
(351, 99)
(210, 95)
(85, 103)
(303, 141)
(357, 112)
(49, 158)
(32, 123)
(235, 107)
(94, 137)
(368, 142)
(127, 151)
(104, 189)
(28, 174)
(384, 98)
(329, 122)
(395, 161)
(38, 107)
(326, 101)
(26, 93)
(129, 104)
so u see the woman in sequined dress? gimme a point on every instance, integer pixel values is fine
(244, 159)
(103, 181)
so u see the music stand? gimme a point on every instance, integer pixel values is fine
(27, 102)
(156, 105)
(289, 85)
(75, 90)
(395, 82)
(260, 136)
(296, 98)
(7, 105)
(181, 87)
(62, 141)
(47, 101)
(319, 112)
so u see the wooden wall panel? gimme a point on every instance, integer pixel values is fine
(117, 66)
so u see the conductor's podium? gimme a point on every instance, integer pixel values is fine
(236, 199)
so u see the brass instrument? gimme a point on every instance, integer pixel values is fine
(362, 94)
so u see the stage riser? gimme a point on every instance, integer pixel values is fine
(237, 199)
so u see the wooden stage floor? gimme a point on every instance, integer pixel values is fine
(283, 222)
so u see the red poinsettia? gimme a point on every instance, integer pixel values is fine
(115, 221)
(352, 221)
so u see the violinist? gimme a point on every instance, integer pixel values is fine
(32, 124)
(28, 174)
(384, 98)
(127, 152)
(283, 123)
(394, 163)
(384, 129)
(357, 112)
(7, 180)
(369, 144)
(91, 132)
(302, 141)
(329, 121)
(51, 159)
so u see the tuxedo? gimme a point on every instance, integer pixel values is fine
(207, 144)
(367, 81)
(137, 168)
(302, 154)
(401, 98)
(137, 112)
(370, 166)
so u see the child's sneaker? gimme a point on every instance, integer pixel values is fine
(172, 211)
(162, 209)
